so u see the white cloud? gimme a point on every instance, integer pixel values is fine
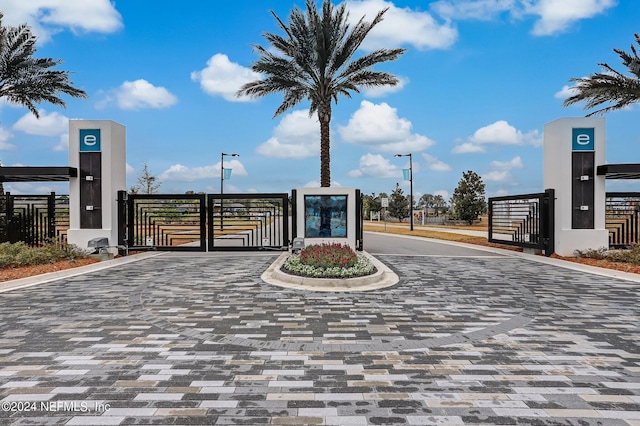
(498, 133)
(377, 126)
(497, 176)
(316, 184)
(402, 26)
(139, 94)
(445, 194)
(64, 143)
(378, 92)
(436, 165)
(296, 136)
(49, 124)
(467, 148)
(5, 135)
(375, 165)
(500, 171)
(476, 9)
(46, 17)
(556, 16)
(181, 173)
(553, 16)
(224, 78)
(514, 163)
(565, 92)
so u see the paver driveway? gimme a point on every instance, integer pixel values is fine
(470, 338)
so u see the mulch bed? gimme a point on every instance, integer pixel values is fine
(7, 274)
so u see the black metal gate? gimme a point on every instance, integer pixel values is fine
(248, 221)
(185, 222)
(34, 219)
(622, 218)
(173, 222)
(523, 220)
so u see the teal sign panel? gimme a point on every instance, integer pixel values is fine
(89, 140)
(583, 139)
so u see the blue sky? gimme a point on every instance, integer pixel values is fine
(478, 82)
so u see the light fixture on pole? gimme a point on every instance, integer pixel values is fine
(222, 175)
(410, 184)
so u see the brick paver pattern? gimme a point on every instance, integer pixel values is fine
(202, 339)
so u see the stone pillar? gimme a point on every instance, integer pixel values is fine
(97, 148)
(573, 149)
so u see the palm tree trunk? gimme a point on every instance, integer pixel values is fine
(325, 148)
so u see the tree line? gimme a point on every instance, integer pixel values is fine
(467, 202)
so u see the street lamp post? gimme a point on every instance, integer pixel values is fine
(410, 185)
(222, 187)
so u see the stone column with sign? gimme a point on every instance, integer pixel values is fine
(573, 149)
(97, 148)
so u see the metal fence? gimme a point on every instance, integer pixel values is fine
(523, 221)
(34, 219)
(622, 218)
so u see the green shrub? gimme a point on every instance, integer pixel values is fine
(329, 261)
(19, 254)
(630, 255)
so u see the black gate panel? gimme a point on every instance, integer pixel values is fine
(248, 221)
(34, 219)
(523, 220)
(622, 219)
(173, 222)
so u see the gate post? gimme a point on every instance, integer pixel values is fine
(97, 149)
(573, 149)
(51, 216)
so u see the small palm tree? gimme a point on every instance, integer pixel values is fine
(25, 80)
(610, 86)
(314, 61)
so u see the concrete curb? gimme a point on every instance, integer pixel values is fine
(72, 272)
(383, 278)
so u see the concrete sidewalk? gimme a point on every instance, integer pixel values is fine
(200, 339)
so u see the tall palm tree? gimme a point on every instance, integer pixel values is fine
(314, 60)
(610, 86)
(25, 80)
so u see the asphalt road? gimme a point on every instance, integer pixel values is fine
(389, 244)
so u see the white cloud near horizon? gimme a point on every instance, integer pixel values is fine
(378, 127)
(224, 78)
(297, 136)
(498, 133)
(402, 26)
(49, 124)
(436, 165)
(181, 173)
(500, 171)
(5, 136)
(47, 17)
(375, 165)
(552, 16)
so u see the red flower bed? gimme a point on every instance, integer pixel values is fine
(328, 255)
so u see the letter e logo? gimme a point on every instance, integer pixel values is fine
(583, 139)
(89, 140)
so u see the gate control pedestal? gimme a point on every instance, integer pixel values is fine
(97, 148)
